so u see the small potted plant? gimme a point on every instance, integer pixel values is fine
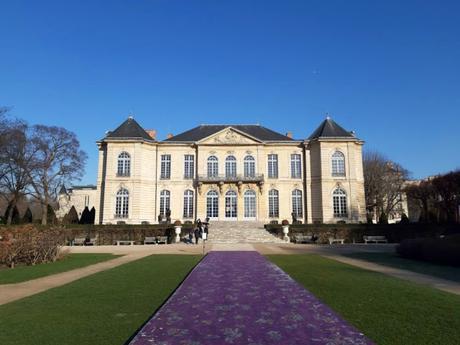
(177, 230)
(285, 224)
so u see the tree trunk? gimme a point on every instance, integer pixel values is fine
(44, 213)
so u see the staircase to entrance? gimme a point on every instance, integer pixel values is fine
(240, 232)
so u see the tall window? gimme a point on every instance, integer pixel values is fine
(297, 208)
(212, 204)
(188, 204)
(122, 203)
(339, 202)
(165, 202)
(296, 168)
(249, 166)
(124, 164)
(165, 172)
(189, 166)
(230, 204)
(249, 204)
(273, 204)
(230, 166)
(213, 166)
(338, 164)
(273, 166)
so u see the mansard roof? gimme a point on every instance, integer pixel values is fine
(129, 130)
(330, 129)
(203, 131)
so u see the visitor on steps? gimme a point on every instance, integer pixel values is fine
(198, 231)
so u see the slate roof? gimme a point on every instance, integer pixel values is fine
(129, 129)
(200, 132)
(330, 129)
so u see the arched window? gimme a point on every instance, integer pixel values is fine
(297, 208)
(124, 164)
(338, 164)
(249, 166)
(165, 202)
(212, 204)
(230, 166)
(249, 204)
(188, 203)
(213, 166)
(273, 204)
(122, 204)
(230, 204)
(339, 202)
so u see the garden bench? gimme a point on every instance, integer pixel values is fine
(78, 241)
(150, 240)
(336, 240)
(375, 239)
(304, 239)
(91, 242)
(162, 239)
(125, 242)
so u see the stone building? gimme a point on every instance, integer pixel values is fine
(230, 173)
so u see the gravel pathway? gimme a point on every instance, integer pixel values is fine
(241, 298)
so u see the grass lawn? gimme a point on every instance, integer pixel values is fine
(390, 311)
(393, 260)
(105, 308)
(70, 262)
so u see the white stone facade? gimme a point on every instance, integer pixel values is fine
(134, 186)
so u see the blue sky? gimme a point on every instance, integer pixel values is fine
(390, 70)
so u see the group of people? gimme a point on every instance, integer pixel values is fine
(201, 231)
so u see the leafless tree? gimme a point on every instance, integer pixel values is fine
(57, 159)
(423, 193)
(15, 165)
(384, 182)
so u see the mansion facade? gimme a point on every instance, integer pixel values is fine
(226, 173)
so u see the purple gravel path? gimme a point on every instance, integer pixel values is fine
(242, 298)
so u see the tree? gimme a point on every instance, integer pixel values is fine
(57, 160)
(71, 217)
(28, 217)
(447, 188)
(92, 215)
(50, 215)
(15, 164)
(423, 193)
(85, 216)
(12, 213)
(384, 182)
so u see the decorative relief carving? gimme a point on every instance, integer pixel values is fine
(231, 137)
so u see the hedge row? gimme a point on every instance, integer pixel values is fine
(444, 251)
(353, 233)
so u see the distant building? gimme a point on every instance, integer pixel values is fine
(227, 173)
(77, 196)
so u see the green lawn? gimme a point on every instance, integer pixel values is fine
(393, 260)
(388, 310)
(105, 308)
(70, 262)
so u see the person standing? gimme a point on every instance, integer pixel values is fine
(198, 231)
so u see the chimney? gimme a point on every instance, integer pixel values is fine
(170, 135)
(152, 133)
(289, 135)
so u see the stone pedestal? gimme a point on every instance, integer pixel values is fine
(177, 230)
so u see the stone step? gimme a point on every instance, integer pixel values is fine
(240, 232)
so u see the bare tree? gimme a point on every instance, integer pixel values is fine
(384, 182)
(57, 159)
(424, 194)
(15, 165)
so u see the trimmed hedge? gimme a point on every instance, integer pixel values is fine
(109, 234)
(353, 233)
(444, 251)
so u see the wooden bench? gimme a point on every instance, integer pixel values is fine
(304, 239)
(336, 240)
(125, 242)
(375, 239)
(150, 240)
(162, 239)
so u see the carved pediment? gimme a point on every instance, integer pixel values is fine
(229, 136)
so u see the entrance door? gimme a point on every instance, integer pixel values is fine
(250, 205)
(230, 205)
